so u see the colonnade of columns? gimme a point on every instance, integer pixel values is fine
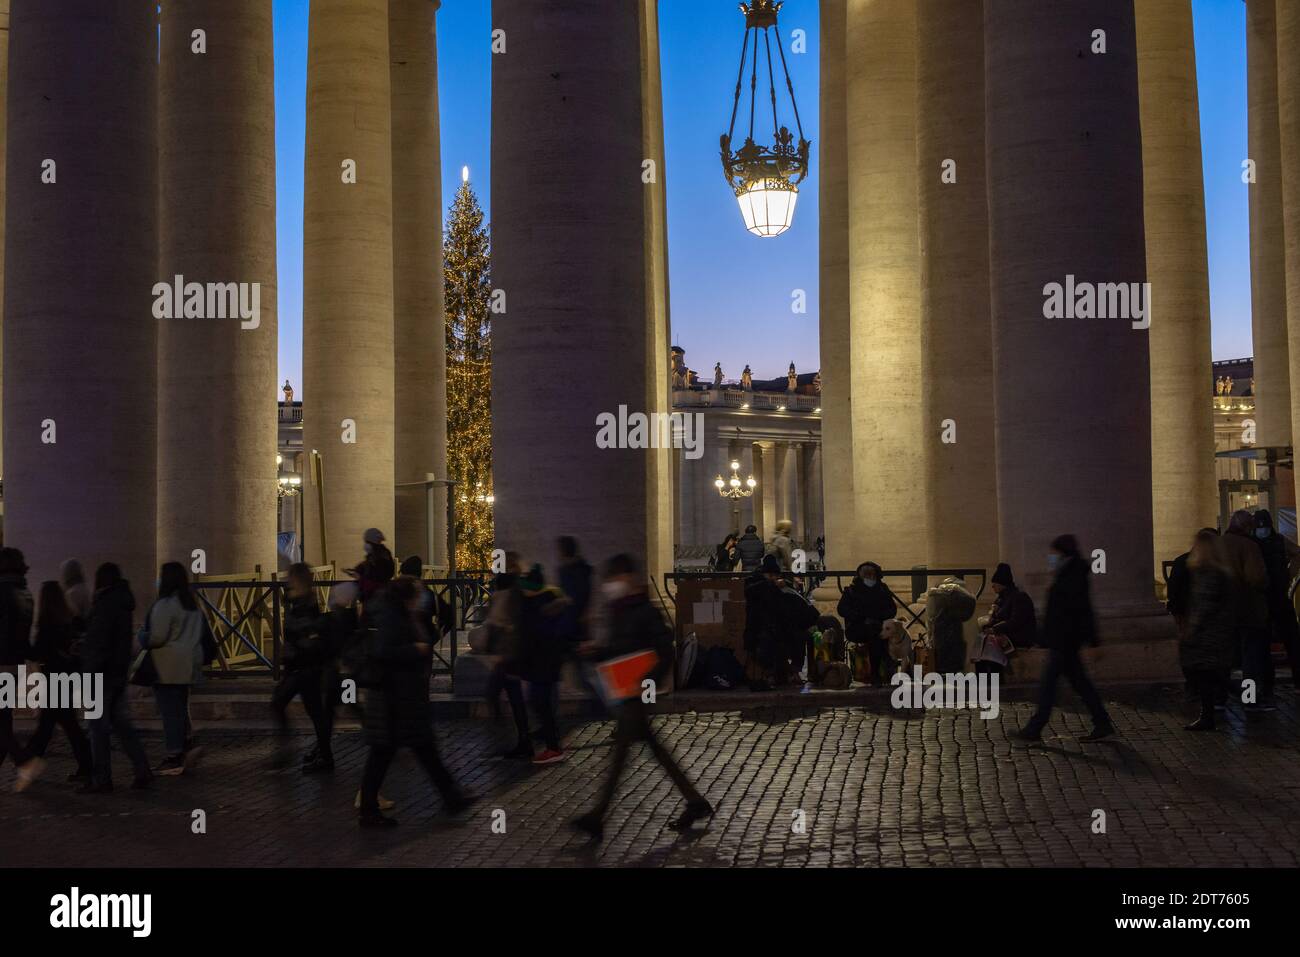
(144, 136)
(789, 476)
(992, 150)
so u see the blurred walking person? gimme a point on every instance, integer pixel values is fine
(397, 710)
(1206, 645)
(55, 636)
(635, 625)
(15, 649)
(1250, 576)
(1068, 625)
(305, 655)
(173, 639)
(1279, 553)
(76, 592)
(108, 650)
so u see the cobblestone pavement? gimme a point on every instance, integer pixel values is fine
(877, 788)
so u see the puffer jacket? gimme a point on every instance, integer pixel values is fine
(750, 549)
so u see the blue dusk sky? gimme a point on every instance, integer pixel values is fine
(731, 292)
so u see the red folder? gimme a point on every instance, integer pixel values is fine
(620, 678)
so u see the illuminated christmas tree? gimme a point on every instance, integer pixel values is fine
(467, 275)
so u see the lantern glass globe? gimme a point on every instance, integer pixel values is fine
(767, 206)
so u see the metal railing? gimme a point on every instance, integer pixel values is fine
(918, 582)
(247, 620)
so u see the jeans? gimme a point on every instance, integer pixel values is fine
(1066, 662)
(174, 706)
(544, 695)
(65, 718)
(633, 726)
(115, 720)
(377, 762)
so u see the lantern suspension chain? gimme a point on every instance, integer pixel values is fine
(740, 78)
(789, 85)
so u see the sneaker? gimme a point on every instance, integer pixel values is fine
(695, 811)
(550, 757)
(591, 825)
(384, 803)
(376, 820)
(28, 773)
(1099, 732)
(171, 767)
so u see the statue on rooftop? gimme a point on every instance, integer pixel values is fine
(747, 380)
(288, 392)
(791, 380)
(717, 375)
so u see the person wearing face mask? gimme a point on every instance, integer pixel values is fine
(635, 625)
(1068, 625)
(865, 606)
(1249, 576)
(1278, 552)
(376, 569)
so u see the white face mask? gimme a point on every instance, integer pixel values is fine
(1261, 533)
(369, 548)
(614, 590)
(869, 582)
(1053, 561)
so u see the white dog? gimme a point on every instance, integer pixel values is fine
(900, 644)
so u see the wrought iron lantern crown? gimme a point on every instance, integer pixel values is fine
(764, 178)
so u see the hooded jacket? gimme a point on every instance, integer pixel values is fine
(108, 645)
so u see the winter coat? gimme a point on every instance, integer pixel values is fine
(864, 609)
(776, 621)
(1277, 565)
(375, 572)
(575, 582)
(15, 620)
(1069, 622)
(749, 548)
(306, 634)
(636, 625)
(53, 648)
(782, 546)
(543, 644)
(1178, 591)
(1210, 641)
(174, 635)
(397, 708)
(109, 645)
(1250, 578)
(724, 558)
(1012, 615)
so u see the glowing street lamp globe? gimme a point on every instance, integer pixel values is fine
(765, 179)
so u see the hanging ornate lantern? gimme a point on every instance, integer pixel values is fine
(765, 179)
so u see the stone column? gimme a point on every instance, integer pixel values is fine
(814, 507)
(658, 340)
(798, 514)
(836, 490)
(885, 342)
(217, 374)
(787, 464)
(80, 342)
(1184, 492)
(419, 324)
(1288, 92)
(1268, 299)
(1065, 199)
(4, 72)
(766, 511)
(956, 321)
(348, 382)
(570, 238)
